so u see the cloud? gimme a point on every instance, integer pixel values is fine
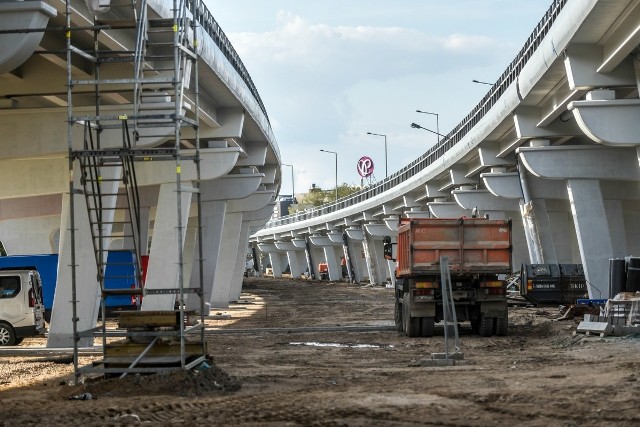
(463, 43)
(350, 53)
(324, 86)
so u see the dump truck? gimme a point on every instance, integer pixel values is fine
(479, 255)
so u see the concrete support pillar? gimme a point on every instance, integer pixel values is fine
(311, 259)
(256, 254)
(275, 259)
(191, 258)
(212, 224)
(332, 256)
(520, 254)
(163, 271)
(592, 229)
(128, 243)
(632, 227)
(330, 252)
(377, 266)
(370, 260)
(348, 270)
(586, 170)
(30, 236)
(297, 263)
(87, 287)
(227, 258)
(391, 266)
(615, 219)
(563, 233)
(241, 260)
(538, 231)
(317, 256)
(358, 260)
(379, 269)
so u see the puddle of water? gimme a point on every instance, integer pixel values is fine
(328, 344)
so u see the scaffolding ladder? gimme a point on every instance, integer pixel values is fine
(161, 62)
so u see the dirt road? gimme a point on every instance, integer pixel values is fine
(324, 354)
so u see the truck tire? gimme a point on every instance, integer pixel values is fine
(397, 314)
(7, 335)
(475, 325)
(502, 326)
(426, 326)
(486, 326)
(411, 324)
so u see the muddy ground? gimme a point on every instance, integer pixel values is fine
(302, 353)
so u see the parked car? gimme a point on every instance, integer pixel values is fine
(21, 306)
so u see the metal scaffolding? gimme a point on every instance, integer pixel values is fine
(161, 66)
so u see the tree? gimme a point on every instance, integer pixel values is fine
(318, 197)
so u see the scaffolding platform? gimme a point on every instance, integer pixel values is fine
(153, 343)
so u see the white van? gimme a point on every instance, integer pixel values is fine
(21, 306)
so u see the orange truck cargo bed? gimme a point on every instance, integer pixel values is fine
(473, 245)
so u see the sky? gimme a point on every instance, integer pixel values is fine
(329, 71)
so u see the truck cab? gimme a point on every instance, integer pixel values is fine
(21, 305)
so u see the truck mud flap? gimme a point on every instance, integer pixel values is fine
(423, 309)
(494, 309)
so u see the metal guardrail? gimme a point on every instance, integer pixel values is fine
(452, 138)
(210, 25)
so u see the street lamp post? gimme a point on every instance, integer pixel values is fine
(335, 154)
(437, 123)
(417, 126)
(293, 184)
(386, 168)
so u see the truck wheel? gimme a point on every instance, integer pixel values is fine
(475, 325)
(426, 326)
(502, 326)
(411, 324)
(486, 326)
(7, 336)
(397, 314)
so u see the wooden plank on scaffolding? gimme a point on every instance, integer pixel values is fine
(126, 348)
(152, 319)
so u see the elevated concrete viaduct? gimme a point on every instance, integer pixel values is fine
(552, 145)
(240, 160)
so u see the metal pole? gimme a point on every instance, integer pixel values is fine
(386, 159)
(335, 154)
(293, 184)
(386, 162)
(437, 122)
(196, 47)
(177, 88)
(72, 222)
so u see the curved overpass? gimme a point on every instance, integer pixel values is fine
(551, 145)
(240, 160)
